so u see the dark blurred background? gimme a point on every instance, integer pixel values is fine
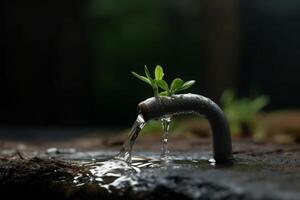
(68, 63)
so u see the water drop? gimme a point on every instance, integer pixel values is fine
(165, 121)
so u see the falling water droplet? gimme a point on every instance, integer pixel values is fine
(165, 121)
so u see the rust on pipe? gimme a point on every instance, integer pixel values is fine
(154, 108)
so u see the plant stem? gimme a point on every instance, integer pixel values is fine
(155, 91)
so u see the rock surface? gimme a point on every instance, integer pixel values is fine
(260, 172)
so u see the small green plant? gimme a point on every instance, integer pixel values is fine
(242, 113)
(158, 82)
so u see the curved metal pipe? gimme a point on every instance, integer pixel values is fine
(153, 108)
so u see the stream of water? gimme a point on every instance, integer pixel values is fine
(165, 122)
(125, 153)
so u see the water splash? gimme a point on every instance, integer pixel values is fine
(107, 174)
(165, 122)
(125, 153)
(120, 171)
(113, 174)
(117, 172)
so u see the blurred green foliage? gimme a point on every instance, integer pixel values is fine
(242, 113)
(152, 127)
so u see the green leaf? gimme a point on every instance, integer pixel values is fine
(187, 85)
(143, 78)
(259, 103)
(163, 85)
(148, 74)
(164, 93)
(159, 72)
(176, 84)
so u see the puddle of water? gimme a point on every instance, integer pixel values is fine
(113, 173)
(116, 173)
(106, 173)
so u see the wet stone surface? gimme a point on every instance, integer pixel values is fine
(259, 172)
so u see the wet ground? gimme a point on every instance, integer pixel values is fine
(48, 170)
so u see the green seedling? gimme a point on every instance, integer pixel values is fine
(158, 83)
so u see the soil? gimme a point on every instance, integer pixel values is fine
(45, 170)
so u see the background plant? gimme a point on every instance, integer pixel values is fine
(242, 113)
